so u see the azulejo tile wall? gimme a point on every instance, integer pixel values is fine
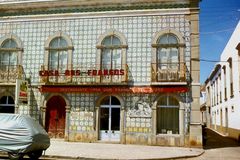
(85, 32)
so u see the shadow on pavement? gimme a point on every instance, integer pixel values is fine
(213, 140)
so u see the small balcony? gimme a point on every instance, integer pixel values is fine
(170, 74)
(84, 75)
(9, 73)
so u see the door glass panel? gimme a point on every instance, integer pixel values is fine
(104, 119)
(114, 101)
(115, 119)
(106, 101)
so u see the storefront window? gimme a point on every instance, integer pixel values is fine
(168, 116)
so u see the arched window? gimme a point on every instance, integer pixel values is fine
(168, 115)
(112, 56)
(168, 56)
(6, 104)
(111, 53)
(10, 51)
(58, 54)
(8, 56)
(167, 52)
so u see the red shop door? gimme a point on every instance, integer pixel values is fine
(55, 117)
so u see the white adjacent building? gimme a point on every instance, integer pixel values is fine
(223, 86)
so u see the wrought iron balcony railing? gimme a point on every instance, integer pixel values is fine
(9, 73)
(84, 74)
(170, 72)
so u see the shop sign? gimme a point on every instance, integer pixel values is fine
(21, 92)
(104, 72)
(113, 89)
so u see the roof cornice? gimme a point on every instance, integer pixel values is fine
(79, 6)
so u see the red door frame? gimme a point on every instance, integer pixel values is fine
(55, 117)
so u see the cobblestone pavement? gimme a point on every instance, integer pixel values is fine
(218, 147)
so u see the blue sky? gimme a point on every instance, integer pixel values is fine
(218, 19)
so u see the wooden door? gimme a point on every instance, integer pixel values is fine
(55, 117)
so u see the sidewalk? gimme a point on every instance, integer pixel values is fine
(76, 150)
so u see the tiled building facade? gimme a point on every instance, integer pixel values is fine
(107, 71)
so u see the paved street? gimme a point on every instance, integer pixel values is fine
(218, 147)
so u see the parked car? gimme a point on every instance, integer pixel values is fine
(20, 135)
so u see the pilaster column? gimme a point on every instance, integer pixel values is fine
(68, 108)
(154, 124)
(195, 137)
(122, 126)
(16, 109)
(181, 124)
(97, 123)
(43, 115)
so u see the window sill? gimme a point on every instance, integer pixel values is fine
(167, 135)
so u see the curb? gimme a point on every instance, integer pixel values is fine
(85, 158)
(88, 158)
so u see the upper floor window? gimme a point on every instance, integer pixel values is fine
(168, 57)
(10, 59)
(58, 56)
(167, 52)
(112, 48)
(231, 76)
(224, 82)
(111, 53)
(8, 54)
(10, 51)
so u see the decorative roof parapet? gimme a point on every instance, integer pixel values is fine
(80, 6)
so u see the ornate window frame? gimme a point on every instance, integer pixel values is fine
(123, 46)
(181, 107)
(181, 45)
(18, 49)
(70, 48)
